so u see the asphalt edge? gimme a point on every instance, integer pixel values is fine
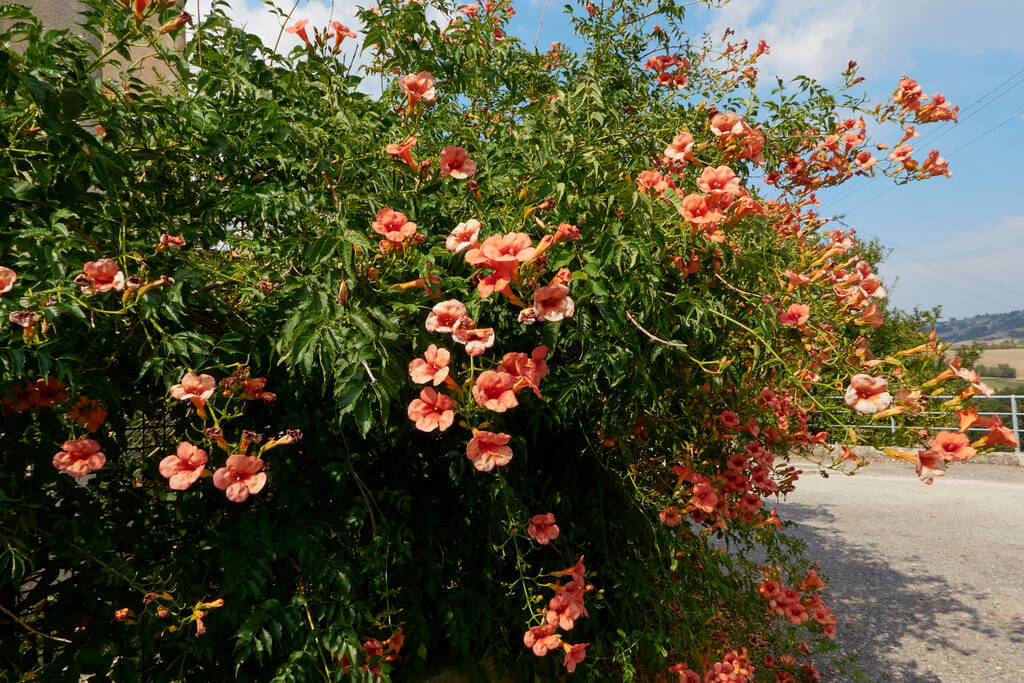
(871, 454)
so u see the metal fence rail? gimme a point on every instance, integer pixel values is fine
(1010, 417)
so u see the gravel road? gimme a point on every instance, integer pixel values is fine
(927, 582)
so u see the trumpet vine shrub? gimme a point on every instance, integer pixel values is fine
(503, 363)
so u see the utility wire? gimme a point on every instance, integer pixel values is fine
(924, 260)
(954, 287)
(966, 144)
(934, 134)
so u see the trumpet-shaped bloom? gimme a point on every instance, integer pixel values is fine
(88, 413)
(432, 410)
(930, 465)
(403, 151)
(495, 282)
(952, 446)
(553, 303)
(464, 236)
(393, 225)
(1000, 435)
(419, 86)
(240, 477)
(341, 32)
(455, 163)
(796, 314)
(721, 183)
(299, 29)
(476, 339)
(433, 367)
(7, 279)
(726, 124)
(698, 209)
(680, 149)
(541, 639)
(184, 467)
(494, 390)
(444, 315)
(195, 388)
(704, 497)
(867, 394)
(488, 450)
(528, 371)
(542, 528)
(79, 458)
(103, 275)
(574, 654)
(171, 241)
(502, 250)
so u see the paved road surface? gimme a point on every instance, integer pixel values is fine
(927, 582)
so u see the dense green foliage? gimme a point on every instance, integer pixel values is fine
(272, 170)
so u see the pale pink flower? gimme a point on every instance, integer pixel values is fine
(542, 528)
(464, 236)
(476, 340)
(680, 149)
(79, 458)
(7, 279)
(726, 124)
(455, 162)
(432, 410)
(195, 388)
(418, 87)
(867, 394)
(487, 450)
(930, 465)
(240, 477)
(553, 303)
(184, 467)
(865, 160)
(103, 276)
(493, 390)
(433, 367)
(444, 315)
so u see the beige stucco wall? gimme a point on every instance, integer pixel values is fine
(66, 14)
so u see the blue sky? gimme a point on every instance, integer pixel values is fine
(957, 242)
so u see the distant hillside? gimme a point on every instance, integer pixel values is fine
(986, 328)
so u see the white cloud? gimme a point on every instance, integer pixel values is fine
(818, 37)
(984, 272)
(257, 18)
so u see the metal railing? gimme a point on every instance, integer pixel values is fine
(1011, 402)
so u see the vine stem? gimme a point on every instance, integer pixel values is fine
(21, 623)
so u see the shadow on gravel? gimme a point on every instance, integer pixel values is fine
(878, 606)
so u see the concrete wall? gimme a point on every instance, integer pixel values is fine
(67, 14)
